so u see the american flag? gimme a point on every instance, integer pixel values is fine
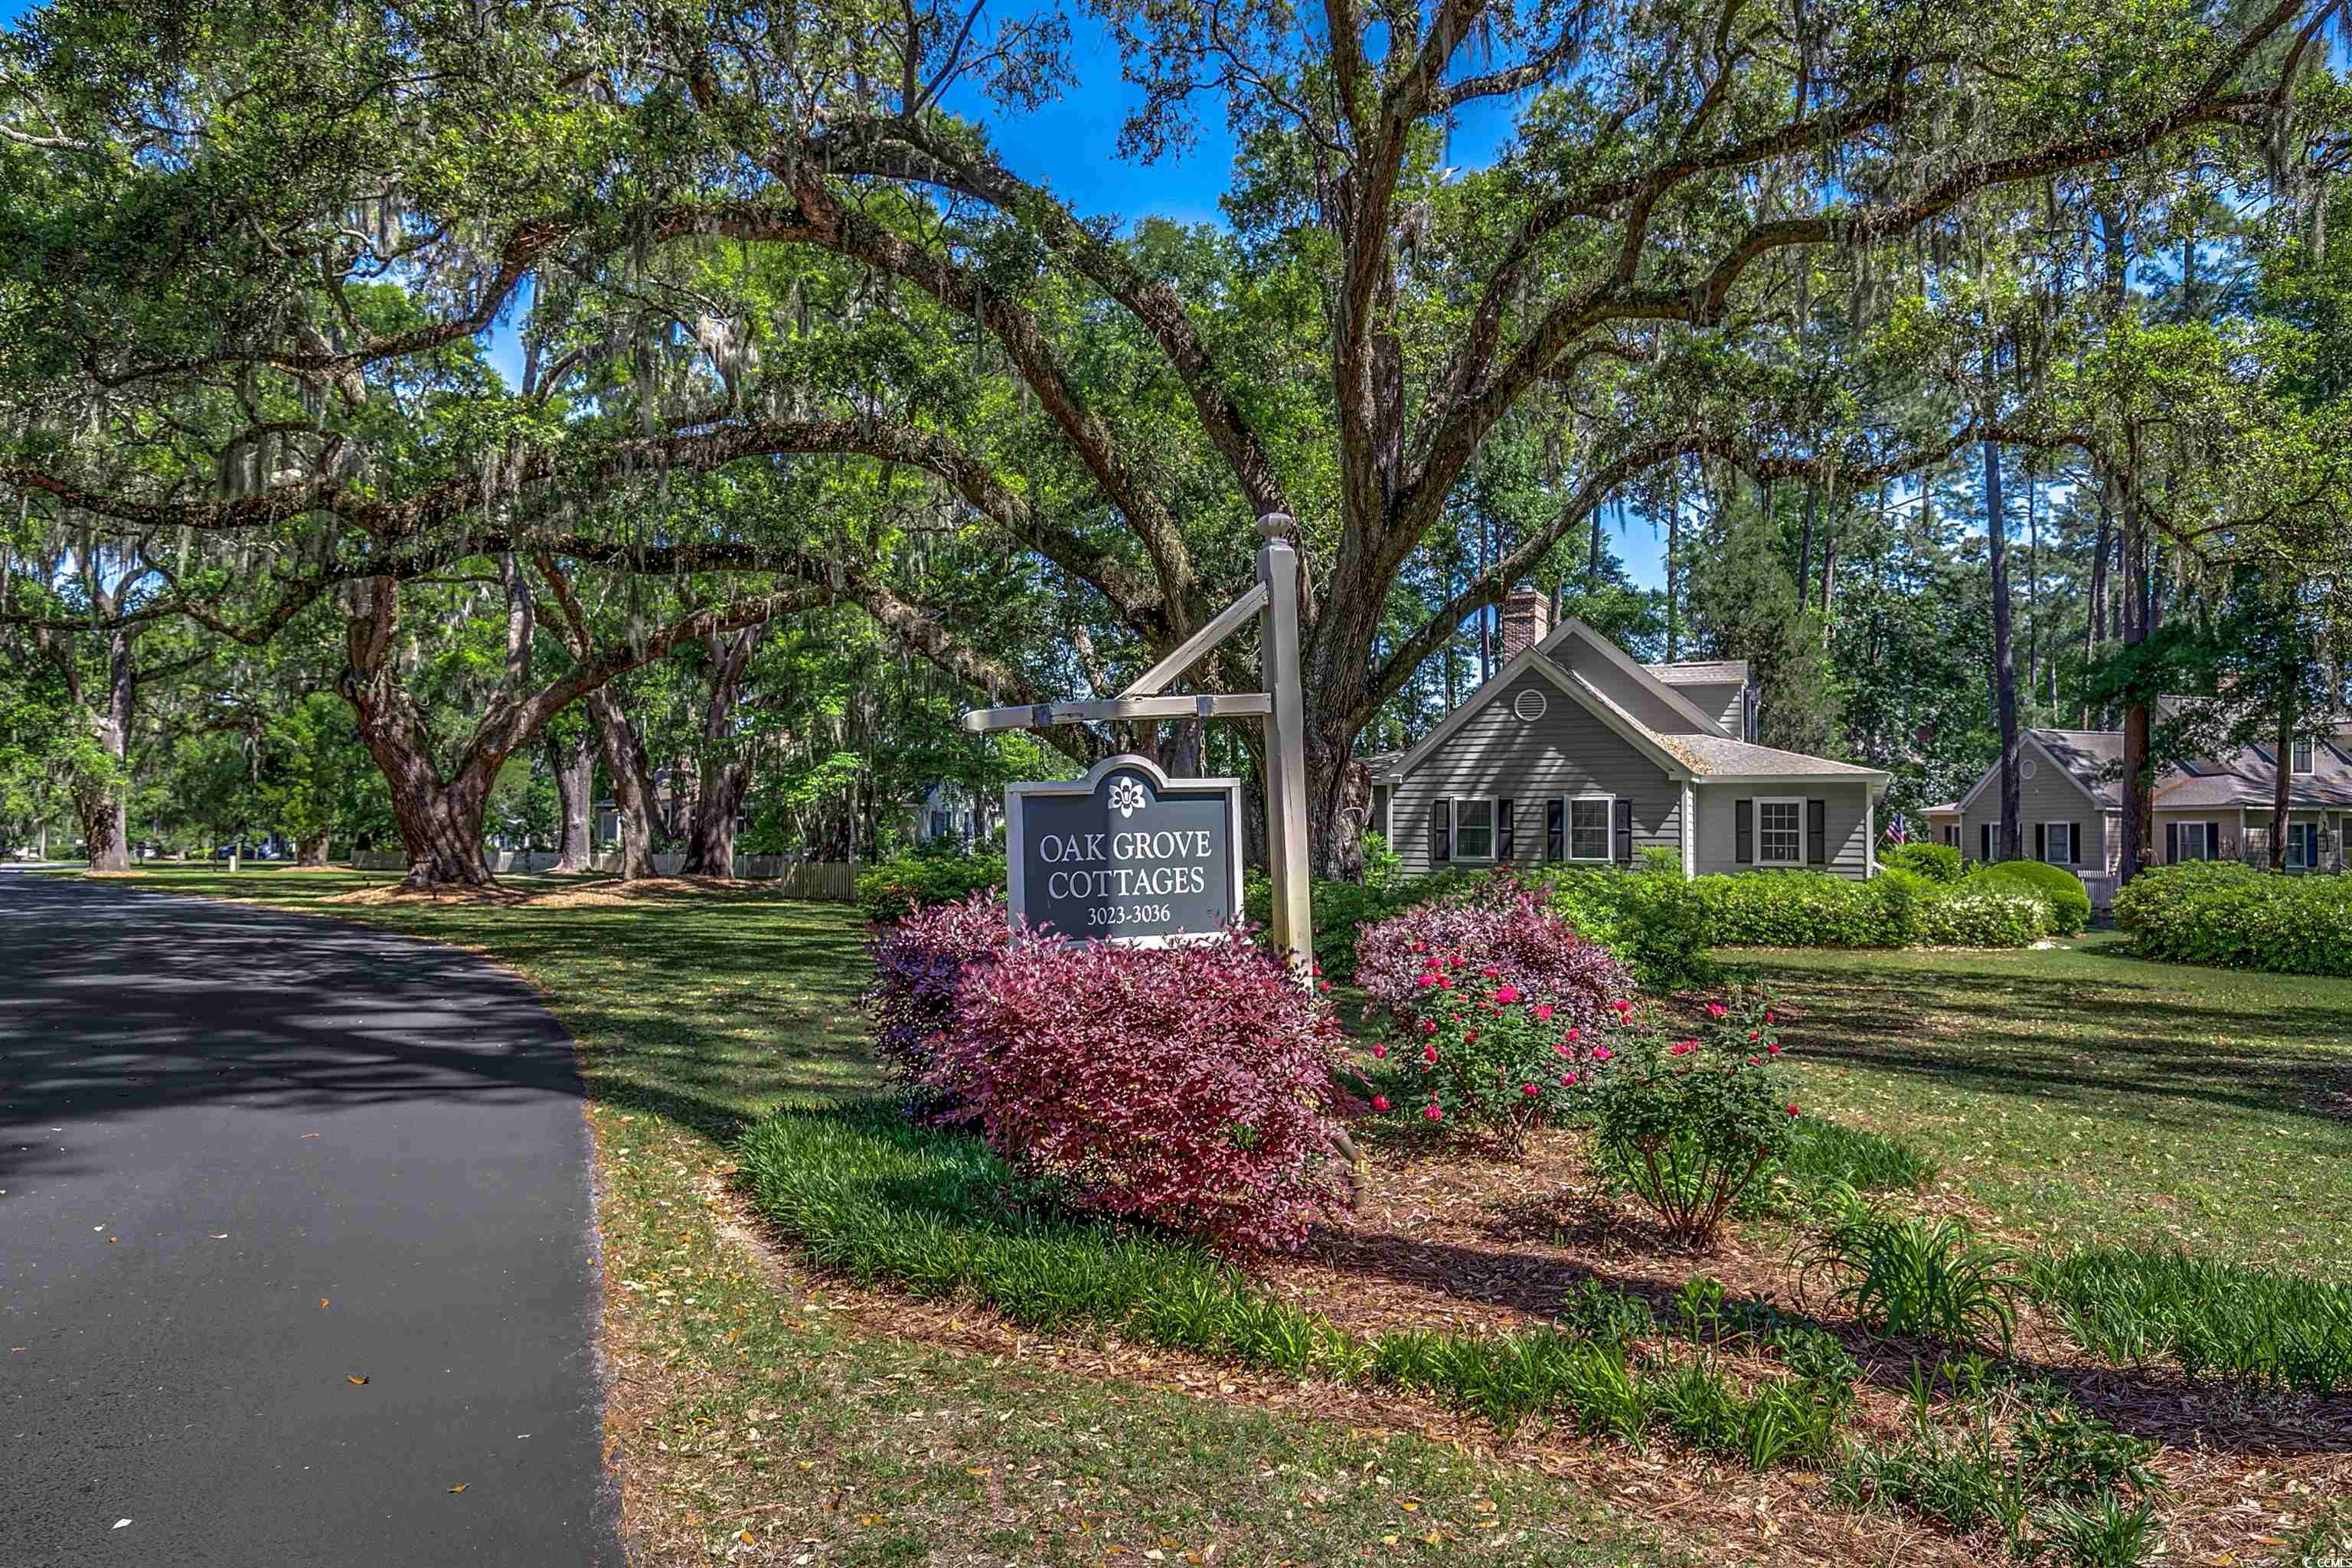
(1898, 831)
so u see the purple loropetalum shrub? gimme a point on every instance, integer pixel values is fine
(1497, 930)
(1187, 1085)
(921, 965)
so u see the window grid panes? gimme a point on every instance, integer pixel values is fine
(2304, 758)
(1781, 832)
(1588, 830)
(2058, 843)
(1473, 829)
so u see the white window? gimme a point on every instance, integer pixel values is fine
(1588, 826)
(2303, 758)
(2302, 846)
(1779, 833)
(2197, 841)
(2058, 843)
(1473, 829)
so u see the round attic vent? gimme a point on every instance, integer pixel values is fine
(1529, 705)
(2026, 768)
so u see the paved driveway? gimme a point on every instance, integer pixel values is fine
(247, 1158)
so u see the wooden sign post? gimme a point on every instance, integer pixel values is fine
(1275, 601)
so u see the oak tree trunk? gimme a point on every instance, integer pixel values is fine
(632, 790)
(710, 843)
(721, 777)
(312, 851)
(573, 763)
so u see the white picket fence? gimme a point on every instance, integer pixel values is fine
(834, 879)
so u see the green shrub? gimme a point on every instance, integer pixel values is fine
(1898, 907)
(2239, 917)
(1341, 909)
(2012, 915)
(896, 888)
(2134, 1306)
(1936, 862)
(2070, 901)
(1793, 908)
(1651, 917)
(1914, 1276)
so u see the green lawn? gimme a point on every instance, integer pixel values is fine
(2084, 1095)
(758, 1402)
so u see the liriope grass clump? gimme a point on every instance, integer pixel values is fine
(1909, 1275)
(2135, 1306)
(2029, 1466)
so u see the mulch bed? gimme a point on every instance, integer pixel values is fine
(1451, 1239)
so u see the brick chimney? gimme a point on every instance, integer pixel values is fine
(1526, 620)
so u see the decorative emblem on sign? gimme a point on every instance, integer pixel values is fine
(1126, 797)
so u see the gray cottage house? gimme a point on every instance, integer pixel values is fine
(2208, 808)
(1575, 753)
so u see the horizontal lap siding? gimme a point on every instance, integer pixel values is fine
(1565, 752)
(2048, 796)
(1722, 703)
(1847, 821)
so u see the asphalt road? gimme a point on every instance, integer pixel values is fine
(247, 1158)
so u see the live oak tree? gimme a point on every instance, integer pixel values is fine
(205, 213)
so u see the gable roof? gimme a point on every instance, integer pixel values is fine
(1638, 674)
(1538, 660)
(1709, 753)
(2245, 777)
(1716, 756)
(2078, 755)
(1702, 672)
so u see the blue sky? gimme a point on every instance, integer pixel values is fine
(1072, 146)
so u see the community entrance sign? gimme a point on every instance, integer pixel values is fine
(1126, 854)
(1087, 855)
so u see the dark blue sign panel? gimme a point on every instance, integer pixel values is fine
(1125, 854)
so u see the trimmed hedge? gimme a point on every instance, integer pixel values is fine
(2070, 901)
(1894, 909)
(1936, 862)
(896, 888)
(2232, 915)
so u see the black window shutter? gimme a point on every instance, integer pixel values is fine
(1440, 830)
(2074, 845)
(1817, 832)
(2171, 842)
(1743, 813)
(1984, 842)
(2212, 839)
(1506, 839)
(2041, 841)
(1555, 829)
(1625, 831)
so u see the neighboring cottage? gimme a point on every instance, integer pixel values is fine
(1575, 753)
(2210, 808)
